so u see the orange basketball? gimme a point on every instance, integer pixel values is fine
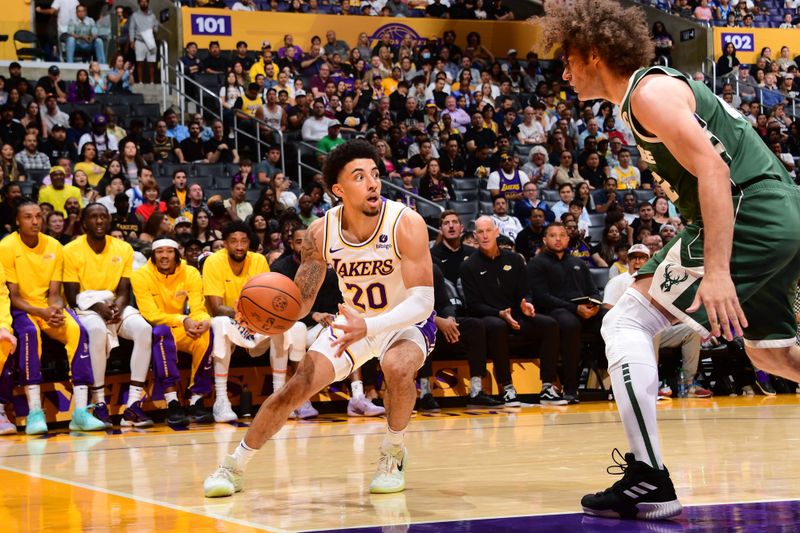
(270, 303)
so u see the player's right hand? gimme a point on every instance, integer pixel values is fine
(505, 314)
(54, 316)
(190, 327)
(104, 310)
(449, 328)
(717, 294)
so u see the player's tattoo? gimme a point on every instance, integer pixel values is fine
(311, 273)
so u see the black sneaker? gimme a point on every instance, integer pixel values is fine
(428, 403)
(175, 415)
(199, 414)
(483, 401)
(764, 383)
(551, 396)
(572, 398)
(643, 492)
(510, 397)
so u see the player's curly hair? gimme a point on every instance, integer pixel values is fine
(342, 155)
(618, 35)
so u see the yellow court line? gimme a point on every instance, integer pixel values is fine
(114, 508)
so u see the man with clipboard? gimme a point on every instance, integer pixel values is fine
(562, 287)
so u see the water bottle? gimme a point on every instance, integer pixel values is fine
(245, 403)
(682, 388)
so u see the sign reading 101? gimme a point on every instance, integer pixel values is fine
(211, 24)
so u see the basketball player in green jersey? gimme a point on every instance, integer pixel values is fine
(732, 271)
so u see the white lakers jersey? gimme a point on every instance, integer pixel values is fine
(370, 273)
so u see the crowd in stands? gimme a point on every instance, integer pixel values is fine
(733, 13)
(454, 9)
(567, 203)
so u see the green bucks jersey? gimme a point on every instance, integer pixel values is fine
(733, 137)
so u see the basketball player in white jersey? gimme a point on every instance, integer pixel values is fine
(379, 251)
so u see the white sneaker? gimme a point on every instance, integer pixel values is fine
(304, 411)
(390, 476)
(363, 406)
(223, 411)
(225, 481)
(6, 427)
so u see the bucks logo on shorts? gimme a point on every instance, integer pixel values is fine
(670, 281)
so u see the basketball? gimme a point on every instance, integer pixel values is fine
(270, 303)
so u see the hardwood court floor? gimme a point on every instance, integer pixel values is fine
(464, 466)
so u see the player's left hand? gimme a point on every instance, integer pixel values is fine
(718, 294)
(8, 338)
(354, 328)
(526, 308)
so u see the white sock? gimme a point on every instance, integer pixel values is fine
(135, 394)
(636, 391)
(170, 397)
(221, 386)
(2, 409)
(99, 394)
(278, 379)
(193, 399)
(242, 455)
(34, 394)
(80, 393)
(475, 386)
(629, 329)
(393, 439)
(424, 386)
(356, 389)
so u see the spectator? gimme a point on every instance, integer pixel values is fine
(434, 186)
(112, 126)
(49, 116)
(105, 143)
(495, 289)
(667, 233)
(530, 200)
(607, 198)
(88, 163)
(178, 188)
(57, 146)
(11, 131)
(509, 226)
(192, 149)
(507, 181)
(65, 10)
(306, 205)
(316, 126)
(32, 120)
(217, 148)
(30, 158)
(577, 247)
(331, 140)
(530, 240)
(627, 175)
(142, 28)
(82, 36)
(118, 77)
(163, 144)
(237, 205)
(191, 63)
(80, 91)
(566, 171)
(449, 252)
(150, 205)
(459, 117)
(244, 5)
(728, 61)
(96, 78)
(531, 131)
(645, 220)
(195, 201)
(663, 40)
(477, 136)
(176, 130)
(566, 193)
(57, 192)
(653, 243)
(53, 84)
(451, 163)
(201, 228)
(81, 181)
(215, 63)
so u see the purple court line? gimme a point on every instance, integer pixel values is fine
(714, 518)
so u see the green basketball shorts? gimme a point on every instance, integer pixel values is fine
(765, 265)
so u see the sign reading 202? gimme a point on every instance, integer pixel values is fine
(211, 25)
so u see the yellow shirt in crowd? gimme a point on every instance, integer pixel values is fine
(162, 298)
(219, 280)
(57, 198)
(32, 269)
(97, 272)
